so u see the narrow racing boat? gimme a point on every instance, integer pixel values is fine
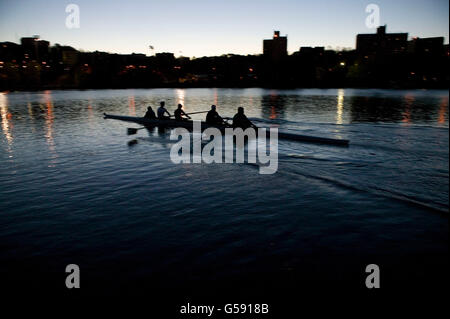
(282, 134)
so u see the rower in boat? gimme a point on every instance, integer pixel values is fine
(180, 115)
(213, 117)
(162, 112)
(150, 114)
(240, 120)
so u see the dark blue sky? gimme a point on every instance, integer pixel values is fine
(198, 28)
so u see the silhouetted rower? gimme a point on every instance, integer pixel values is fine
(240, 120)
(213, 117)
(150, 114)
(162, 112)
(180, 115)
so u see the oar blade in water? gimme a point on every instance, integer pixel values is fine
(131, 131)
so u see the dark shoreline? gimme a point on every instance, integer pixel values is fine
(222, 87)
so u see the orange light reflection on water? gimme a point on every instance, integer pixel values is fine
(273, 111)
(131, 106)
(409, 98)
(49, 118)
(216, 98)
(443, 109)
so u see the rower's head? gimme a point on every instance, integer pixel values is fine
(180, 106)
(149, 108)
(240, 110)
(213, 107)
(162, 103)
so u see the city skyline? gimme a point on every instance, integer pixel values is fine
(220, 28)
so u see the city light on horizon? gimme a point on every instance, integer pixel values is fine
(206, 28)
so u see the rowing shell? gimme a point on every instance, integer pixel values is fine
(282, 134)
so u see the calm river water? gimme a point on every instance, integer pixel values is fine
(73, 190)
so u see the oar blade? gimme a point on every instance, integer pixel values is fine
(131, 131)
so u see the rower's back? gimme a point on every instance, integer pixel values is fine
(212, 117)
(178, 114)
(240, 120)
(150, 114)
(161, 111)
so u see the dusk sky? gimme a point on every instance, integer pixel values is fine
(206, 28)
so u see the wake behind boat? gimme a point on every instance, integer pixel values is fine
(282, 134)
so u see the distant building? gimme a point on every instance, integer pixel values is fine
(69, 56)
(275, 48)
(381, 42)
(34, 48)
(310, 51)
(427, 46)
(9, 51)
(28, 43)
(165, 55)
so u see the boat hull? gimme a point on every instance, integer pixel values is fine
(189, 124)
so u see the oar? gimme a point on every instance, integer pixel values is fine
(132, 131)
(230, 118)
(197, 112)
(192, 113)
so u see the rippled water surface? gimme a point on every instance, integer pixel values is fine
(73, 189)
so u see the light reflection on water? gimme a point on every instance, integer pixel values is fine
(132, 106)
(443, 111)
(6, 123)
(340, 106)
(409, 101)
(49, 119)
(180, 96)
(6, 117)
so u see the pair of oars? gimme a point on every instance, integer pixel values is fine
(132, 130)
(226, 120)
